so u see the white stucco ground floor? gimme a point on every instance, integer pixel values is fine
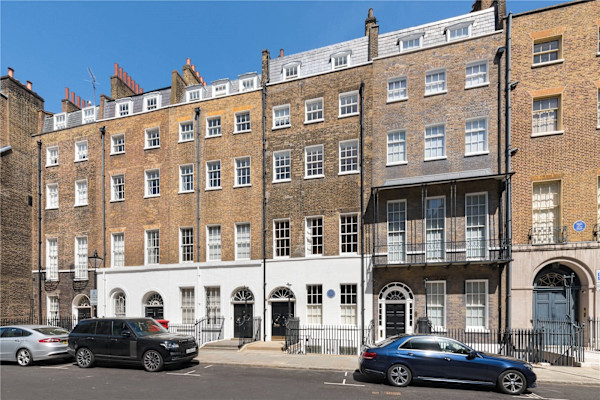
(320, 291)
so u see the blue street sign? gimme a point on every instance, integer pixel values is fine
(330, 293)
(579, 226)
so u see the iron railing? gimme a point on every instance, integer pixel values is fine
(255, 330)
(463, 252)
(324, 339)
(203, 330)
(592, 334)
(548, 235)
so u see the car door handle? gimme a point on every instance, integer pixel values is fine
(411, 354)
(447, 358)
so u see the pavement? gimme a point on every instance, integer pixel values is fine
(270, 355)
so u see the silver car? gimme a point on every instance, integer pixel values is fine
(27, 343)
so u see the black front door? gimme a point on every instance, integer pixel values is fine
(280, 312)
(242, 317)
(395, 318)
(154, 312)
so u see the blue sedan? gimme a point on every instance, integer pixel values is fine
(406, 358)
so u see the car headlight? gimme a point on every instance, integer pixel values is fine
(171, 346)
(529, 367)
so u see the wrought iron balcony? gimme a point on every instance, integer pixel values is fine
(441, 253)
(548, 235)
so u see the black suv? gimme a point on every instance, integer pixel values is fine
(129, 340)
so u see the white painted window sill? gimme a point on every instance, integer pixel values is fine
(212, 136)
(79, 205)
(544, 64)
(482, 153)
(314, 177)
(151, 196)
(400, 100)
(552, 133)
(436, 93)
(186, 140)
(436, 158)
(282, 181)
(51, 208)
(117, 200)
(314, 121)
(246, 131)
(185, 191)
(347, 115)
(116, 154)
(275, 128)
(242, 186)
(153, 147)
(213, 188)
(396, 163)
(78, 161)
(349, 173)
(51, 165)
(484, 84)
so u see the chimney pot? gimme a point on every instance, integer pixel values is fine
(133, 85)
(29, 85)
(280, 52)
(11, 72)
(198, 74)
(78, 101)
(67, 93)
(193, 67)
(137, 88)
(124, 77)
(116, 68)
(73, 97)
(121, 72)
(188, 61)
(141, 90)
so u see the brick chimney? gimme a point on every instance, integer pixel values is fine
(121, 84)
(68, 103)
(372, 32)
(499, 6)
(265, 67)
(190, 75)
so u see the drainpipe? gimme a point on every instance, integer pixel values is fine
(197, 122)
(497, 61)
(264, 209)
(507, 157)
(362, 207)
(39, 143)
(102, 135)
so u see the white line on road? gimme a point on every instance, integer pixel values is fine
(190, 373)
(538, 397)
(61, 367)
(208, 366)
(342, 384)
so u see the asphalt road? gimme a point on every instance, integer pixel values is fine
(64, 381)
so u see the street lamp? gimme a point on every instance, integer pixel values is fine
(95, 261)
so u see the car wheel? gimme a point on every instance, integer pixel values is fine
(24, 357)
(84, 357)
(512, 382)
(153, 361)
(399, 375)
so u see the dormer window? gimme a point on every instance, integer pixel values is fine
(151, 102)
(410, 42)
(193, 94)
(340, 60)
(89, 115)
(220, 90)
(124, 107)
(60, 121)
(459, 31)
(291, 71)
(247, 84)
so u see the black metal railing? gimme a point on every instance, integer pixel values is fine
(592, 334)
(324, 339)
(203, 330)
(254, 329)
(467, 251)
(548, 235)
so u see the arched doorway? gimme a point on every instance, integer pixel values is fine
(118, 302)
(243, 312)
(153, 306)
(395, 310)
(282, 302)
(555, 294)
(81, 307)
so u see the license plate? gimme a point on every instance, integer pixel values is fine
(188, 351)
(64, 342)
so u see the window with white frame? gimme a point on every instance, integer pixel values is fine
(348, 304)
(153, 183)
(435, 142)
(242, 122)
(186, 178)
(81, 151)
(436, 304)
(151, 102)
(411, 42)
(314, 236)
(152, 138)
(435, 82)
(118, 144)
(242, 241)
(52, 259)
(396, 147)
(349, 234)
(81, 258)
(397, 89)
(186, 131)
(60, 121)
(213, 305)
(118, 249)
(117, 188)
(152, 247)
(51, 196)
(187, 306)
(242, 171)
(314, 304)
(476, 293)
(89, 115)
(348, 157)
(546, 212)
(291, 71)
(220, 90)
(281, 238)
(247, 84)
(476, 134)
(81, 193)
(348, 104)
(545, 51)
(53, 310)
(192, 95)
(476, 222)
(476, 74)
(281, 116)
(546, 115)
(213, 126)
(124, 108)
(435, 225)
(213, 174)
(186, 244)
(119, 304)
(396, 231)
(458, 32)
(51, 156)
(213, 243)
(281, 166)
(313, 110)
(313, 160)
(340, 60)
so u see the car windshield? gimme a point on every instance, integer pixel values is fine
(144, 327)
(52, 330)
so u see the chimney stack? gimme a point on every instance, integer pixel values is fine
(280, 53)
(11, 72)
(372, 32)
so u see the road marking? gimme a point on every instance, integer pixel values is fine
(342, 384)
(190, 373)
(393, 393)
(60, 367)
(208, 366)
(538, 397)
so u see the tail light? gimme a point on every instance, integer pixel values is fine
(50, 340)
(368, 355)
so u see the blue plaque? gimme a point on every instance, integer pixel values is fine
(331, 293)
(579, 226)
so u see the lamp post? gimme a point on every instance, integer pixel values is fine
(95, 261)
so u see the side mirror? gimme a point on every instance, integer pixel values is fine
(472, 355)
(126, 333)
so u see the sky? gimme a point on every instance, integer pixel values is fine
(53, 43)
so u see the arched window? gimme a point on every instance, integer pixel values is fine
(119, 304)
